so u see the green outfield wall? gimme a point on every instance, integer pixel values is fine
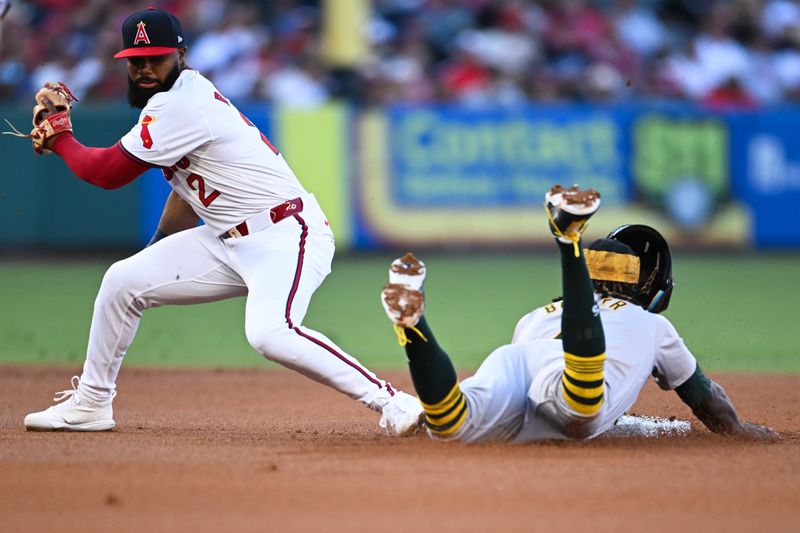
(42, 205)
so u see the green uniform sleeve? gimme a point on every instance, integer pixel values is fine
(695, 389)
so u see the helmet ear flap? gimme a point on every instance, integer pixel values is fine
(660, 301)
(656, 282)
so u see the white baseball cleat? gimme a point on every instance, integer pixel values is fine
(402, 415)
(402, 298)
(76, 412)
(408, 271)
(569, 209)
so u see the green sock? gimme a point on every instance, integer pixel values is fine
(583, 379)
(431, 370)
(435, 381)
(581, 330)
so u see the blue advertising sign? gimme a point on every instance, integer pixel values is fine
(766, 159)
(453, 157)
(447, 176)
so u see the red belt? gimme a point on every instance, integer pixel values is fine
(259, 222)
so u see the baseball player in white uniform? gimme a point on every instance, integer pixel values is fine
(574, 366)
(265, 237)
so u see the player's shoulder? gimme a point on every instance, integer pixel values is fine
(663, 323)
(192, 80)
(658, 324)
(543, 313)
(182, 95)
(549, 308)
(528, 326)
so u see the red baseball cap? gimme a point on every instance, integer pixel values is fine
(151, 32)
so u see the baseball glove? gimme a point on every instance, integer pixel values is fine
(51, 115)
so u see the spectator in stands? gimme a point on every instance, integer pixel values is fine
(478, 52)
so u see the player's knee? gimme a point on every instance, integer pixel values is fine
(269, 341)
(121, 283)
(115, 281)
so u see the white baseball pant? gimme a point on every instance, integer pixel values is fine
(277, 268)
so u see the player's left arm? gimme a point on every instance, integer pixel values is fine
(710, 404)
(676, 368)
(178, 215)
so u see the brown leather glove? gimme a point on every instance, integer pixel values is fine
(51, 116)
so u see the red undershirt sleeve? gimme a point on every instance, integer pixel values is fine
(109, 168)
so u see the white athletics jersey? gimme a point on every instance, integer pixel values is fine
(505, 394)
(210, 153)
(638, 344)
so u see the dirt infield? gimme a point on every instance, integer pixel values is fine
(232, 450)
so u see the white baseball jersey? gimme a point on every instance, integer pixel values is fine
(217, 161)
(515, 379)
(211, 154)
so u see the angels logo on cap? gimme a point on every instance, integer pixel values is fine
(151, 32)
(141, 34)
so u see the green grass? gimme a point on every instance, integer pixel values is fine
(736, 313)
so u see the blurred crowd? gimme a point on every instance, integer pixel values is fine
(721, 54)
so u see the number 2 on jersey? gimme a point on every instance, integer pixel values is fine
(194, 181)
(201, 189)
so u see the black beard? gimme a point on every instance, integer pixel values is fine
(138, 97)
